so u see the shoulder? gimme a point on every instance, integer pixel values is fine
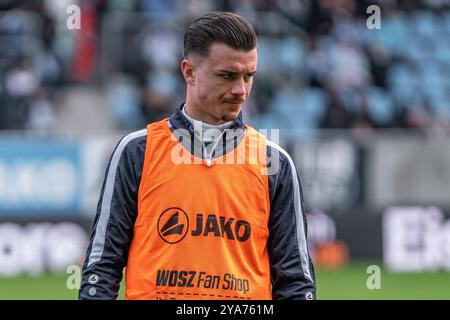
(132, 144)
(275, 151)
(273, 148)
(135, 138)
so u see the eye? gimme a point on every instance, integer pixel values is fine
(226, 76)
(247, 77)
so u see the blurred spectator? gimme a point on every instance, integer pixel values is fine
(363, 122)
(21, 82)
(48, 68)
(158, 101)
(320, 18)
(317, 64)
(336, 116)
(380, 61)
(41, 113)
(156, 106)
(349, 65)
(161, 50)
(124, 100)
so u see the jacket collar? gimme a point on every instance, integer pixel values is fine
(194, 144)
(179, 121)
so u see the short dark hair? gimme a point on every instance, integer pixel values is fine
(222, 27)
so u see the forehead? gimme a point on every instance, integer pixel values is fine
(224, 57)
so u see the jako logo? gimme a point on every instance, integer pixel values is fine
(173, 225)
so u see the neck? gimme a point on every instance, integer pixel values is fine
(206, 120)
(198, 116)
(210, 135)
(199, 122)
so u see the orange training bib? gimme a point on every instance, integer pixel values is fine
(201, 232)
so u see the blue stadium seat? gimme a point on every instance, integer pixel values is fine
(299, 112)
(446, 22)
(267, 52)
(380, 105)
(440, 101)
(406, 94)
(418, 47)
(271, 120)
(286, 101)
(401, 74)
(441, 45)
(314, 102)
(403, 82)
(291, 54)
(393, 32)
(430, 73)
(303, 108)
(442, 108)
(425, 22)
(434, 91)
(123, 99)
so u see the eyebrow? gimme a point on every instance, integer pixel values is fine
(234, 71)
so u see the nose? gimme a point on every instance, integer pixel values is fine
(238, 88)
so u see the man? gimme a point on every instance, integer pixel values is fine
(186, 209)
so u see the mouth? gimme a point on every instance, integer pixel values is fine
(234, 102)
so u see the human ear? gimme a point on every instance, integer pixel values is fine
(187, 68)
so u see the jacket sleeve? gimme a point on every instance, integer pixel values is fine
(112, 231)
(292, 271)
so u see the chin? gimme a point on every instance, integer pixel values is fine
(231, 116)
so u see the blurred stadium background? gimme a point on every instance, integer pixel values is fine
(365, 114)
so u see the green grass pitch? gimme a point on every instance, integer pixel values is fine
(346, 283)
